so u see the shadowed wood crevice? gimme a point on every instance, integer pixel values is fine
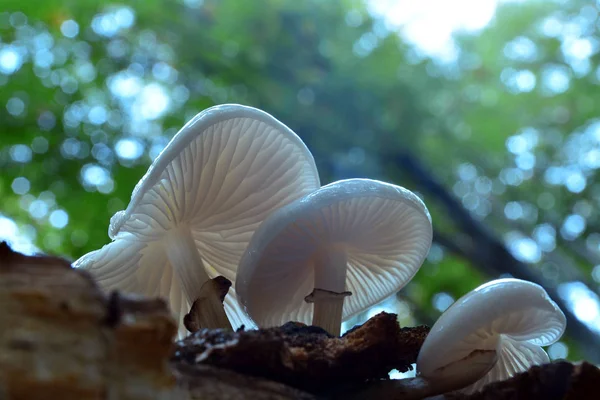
(308, 357)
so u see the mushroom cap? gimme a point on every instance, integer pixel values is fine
(220, 175)
(512, 316)
(385, 229)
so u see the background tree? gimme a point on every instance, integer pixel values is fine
(502, 139)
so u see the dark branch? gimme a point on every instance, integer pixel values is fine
(489, 253)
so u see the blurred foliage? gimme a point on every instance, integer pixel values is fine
(90, 93)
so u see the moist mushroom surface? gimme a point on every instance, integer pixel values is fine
(344, 247)
(511, 316)
(191, 216)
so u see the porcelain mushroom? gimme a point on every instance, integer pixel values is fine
(344, 247)
(192, 214)
(510, 316)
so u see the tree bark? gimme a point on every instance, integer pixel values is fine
(62, 338)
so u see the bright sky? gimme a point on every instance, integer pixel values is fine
(430, 23)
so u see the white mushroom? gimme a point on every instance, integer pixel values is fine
(358, 235)
(511, 316)
(194, 211)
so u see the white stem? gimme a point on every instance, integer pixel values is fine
(327, 312)
(186, 261)
(330, 283)
(330, 269)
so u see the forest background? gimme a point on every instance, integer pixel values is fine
(487, 109)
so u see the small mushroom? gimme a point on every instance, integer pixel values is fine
(192, 214)
(344, 247)
(511, 316)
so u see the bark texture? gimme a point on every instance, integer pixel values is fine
(62, 338)
(555, 381)
(308, 357)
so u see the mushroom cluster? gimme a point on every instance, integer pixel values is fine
(192, 214)
(235, 199)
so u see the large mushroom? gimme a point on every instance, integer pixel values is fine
(512, 317)
(192, 214)
(344, 247)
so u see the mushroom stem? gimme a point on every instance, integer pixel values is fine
(207, 309)
(186, 261)
(330, 267)
(328, 309)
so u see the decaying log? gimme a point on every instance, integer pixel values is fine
(61, 338)
(308, 357)
(555, 381)
(204, 382)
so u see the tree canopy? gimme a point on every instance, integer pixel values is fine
(502, 140)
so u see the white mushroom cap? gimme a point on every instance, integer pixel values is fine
(380, 233)
(210, 188)
(511, 316)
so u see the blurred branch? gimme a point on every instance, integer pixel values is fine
(576, 247)
(448, 243)
(489, 253)
(551, 217)
(419, 314)
(569, 271)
